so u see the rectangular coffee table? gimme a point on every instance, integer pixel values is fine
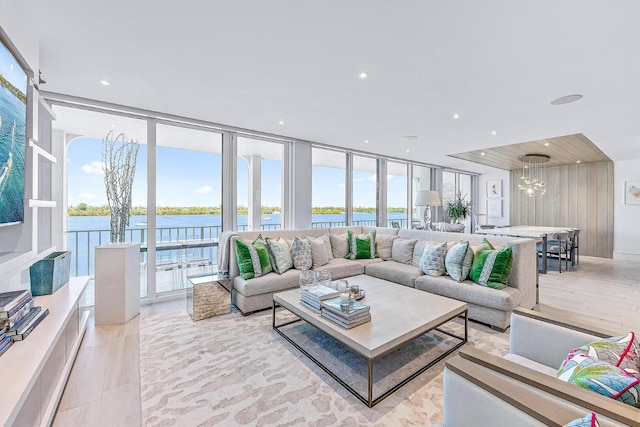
(399, 315)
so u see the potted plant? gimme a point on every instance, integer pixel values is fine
(458, 208)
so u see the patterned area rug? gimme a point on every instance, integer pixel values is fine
(235, 370)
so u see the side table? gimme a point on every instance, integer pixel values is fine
(208, 295)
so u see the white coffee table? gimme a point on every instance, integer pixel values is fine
(399, 315)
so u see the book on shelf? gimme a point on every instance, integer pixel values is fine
(11, 302)
(320, 292)
(31, 326)
(355, 308)
(347, 324)
(5, 343)
(19, 327)
(11, 321)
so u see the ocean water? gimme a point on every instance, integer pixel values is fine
(12, 188)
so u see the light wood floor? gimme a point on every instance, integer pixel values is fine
(104, 386)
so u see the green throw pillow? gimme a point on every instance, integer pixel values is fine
(361, 247)
(253, 258)
(491, 266)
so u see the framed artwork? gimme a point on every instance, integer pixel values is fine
(494, 189)
(494, 208)
(632, 193)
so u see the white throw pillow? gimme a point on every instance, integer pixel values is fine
(418, 249)
(327, 243)
(319, 254)
(280, 254)
(402, 250)
(339, 245)
(384, 244)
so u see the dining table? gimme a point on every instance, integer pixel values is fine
(537, 232)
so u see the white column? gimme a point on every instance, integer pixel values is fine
(255, 191)
(229, 179)
(381, 187)
(301, 185)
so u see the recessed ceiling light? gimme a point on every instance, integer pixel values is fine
(364, 75)
(456, 116)
(281, 122)
(546, 144)
(105, 82)
(579, 161)
(407, 150)
(566, 99)
(366, 141)
(493, 132)
(482, 154)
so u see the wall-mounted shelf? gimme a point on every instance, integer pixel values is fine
(35, 203)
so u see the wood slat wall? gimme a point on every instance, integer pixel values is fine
(579, 195)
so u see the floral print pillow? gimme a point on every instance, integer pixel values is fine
(619, 351)
(588, 421)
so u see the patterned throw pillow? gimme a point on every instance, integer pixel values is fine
(458, 261)
(432, 262)
(362, 246)
(621, 351)
(301, 254)
(492, 267)
(280, 254)
(601, 377)
(253, 258)
(588, 421)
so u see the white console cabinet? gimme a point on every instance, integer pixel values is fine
(35, 371)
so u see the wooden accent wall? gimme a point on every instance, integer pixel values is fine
(579, 195)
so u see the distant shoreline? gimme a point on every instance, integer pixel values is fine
(85, 210)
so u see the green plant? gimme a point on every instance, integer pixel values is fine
(458, 208)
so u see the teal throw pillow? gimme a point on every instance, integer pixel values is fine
(458, 261)
(363, 246)
(433, 256)
(492, 267)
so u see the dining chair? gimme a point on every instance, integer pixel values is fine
(576, 245)
(395, 224)
(557, 245)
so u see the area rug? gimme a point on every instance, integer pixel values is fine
(235, 370)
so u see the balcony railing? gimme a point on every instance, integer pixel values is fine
(82, 243)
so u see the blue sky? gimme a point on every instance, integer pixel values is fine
(192, 178)
(11, 71)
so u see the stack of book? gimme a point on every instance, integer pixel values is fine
(18, 316)
(355, 314)
(313, 296)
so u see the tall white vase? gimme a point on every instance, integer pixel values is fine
(117, 283)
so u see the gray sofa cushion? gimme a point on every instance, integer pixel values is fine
(271, 282)
(394, 272)
(339, 245)
(384, 243)
(341, 268)
(418, 250)
(504, 299)
(366, 262)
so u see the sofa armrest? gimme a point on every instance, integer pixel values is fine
(561, 390)
(547, 339)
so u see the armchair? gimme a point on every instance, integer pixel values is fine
(521, 388)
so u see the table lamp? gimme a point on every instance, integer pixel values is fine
(427, 198)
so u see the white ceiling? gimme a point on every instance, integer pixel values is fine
(253, 63)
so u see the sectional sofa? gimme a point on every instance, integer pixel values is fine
(486, 305)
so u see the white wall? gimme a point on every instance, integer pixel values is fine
(626, 232)
(481, 207)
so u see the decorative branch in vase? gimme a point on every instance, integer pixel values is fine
(458, 208)
(119, 165)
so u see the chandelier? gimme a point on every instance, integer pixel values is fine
(532, 181)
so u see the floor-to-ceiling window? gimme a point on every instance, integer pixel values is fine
(88, 213)
(328, 188)
(421, 181)
(188, 195)
(363, 190)
(397, 215)
(454, 185)
(260, 167)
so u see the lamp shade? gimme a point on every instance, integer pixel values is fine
(427, 198)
